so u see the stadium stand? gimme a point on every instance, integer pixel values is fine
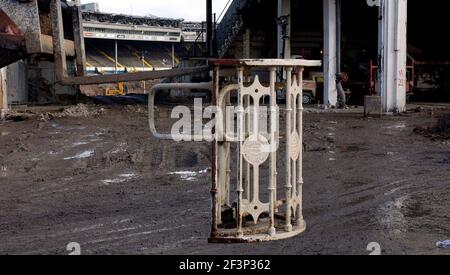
(158, 55)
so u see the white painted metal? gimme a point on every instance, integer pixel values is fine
(256, 215)
(281, 63)
(392, 48)
(272, 218)
(329, 54)
(166, 87)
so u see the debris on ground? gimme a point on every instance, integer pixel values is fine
(441, 131)
(81, 110)
(45, 117)
(139, 109)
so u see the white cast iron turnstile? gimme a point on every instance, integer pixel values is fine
(245, 216)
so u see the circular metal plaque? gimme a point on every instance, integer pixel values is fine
(296, 146)
(256, 150)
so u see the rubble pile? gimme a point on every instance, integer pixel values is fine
(81, 110)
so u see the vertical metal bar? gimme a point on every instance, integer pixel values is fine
(228, 177)
(288, 185)
(58, 40)
(214, 37)
(116, 61)
(209, 28)
(273, 156)
(78, 33)
(246, 101)
(338, 36)
(300, 221)
(143, 69)
(295, 129)
(214, 222)
(241, 136)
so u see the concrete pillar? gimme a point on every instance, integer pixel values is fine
(284, 29)
(58, 40)
(3, 93)
(330, 53)
(392, 50)
(78, 32)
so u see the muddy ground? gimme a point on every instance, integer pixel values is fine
(103, 181)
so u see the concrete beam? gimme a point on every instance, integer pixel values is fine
(77, 22)
(392, 50)
(330, 53)
(58, 40)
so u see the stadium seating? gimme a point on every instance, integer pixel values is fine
(158, 55)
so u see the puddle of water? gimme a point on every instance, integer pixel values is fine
(76, 144)
(113, 181)
(120, 179)
(83, 155)
(3, 171)
(189, 175)
(397, 126)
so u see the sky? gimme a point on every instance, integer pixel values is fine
(190, 10)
